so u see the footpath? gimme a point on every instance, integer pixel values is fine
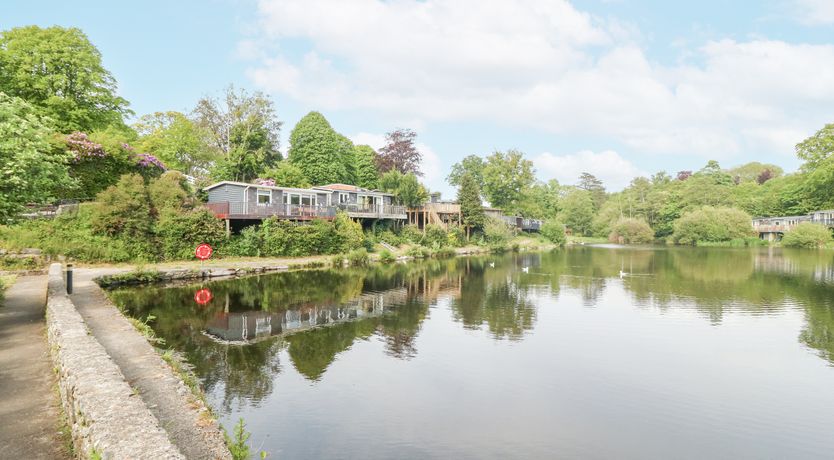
(29, 406)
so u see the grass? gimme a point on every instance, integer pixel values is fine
(573, 239)
(6, 282)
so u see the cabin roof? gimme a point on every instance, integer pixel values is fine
(349, 188)
(271, 187)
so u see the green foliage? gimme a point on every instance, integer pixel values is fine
(386, 257)
(710, 224)
(170, 192)
(60, 71)
(180, 232)
(578, 212)
(125, 209)
(506, 176)
(245, 128)
(30, 170)
(287, 174)
(807, 235)
(322, 154)
(180, 143)
(554, 231)
(593, 186)
(435, 236)
(348, 232)
(365, 173)
(469, 198)
(472, 165)
(238, 443)
(406, 189)
(631, 231)
(418, 252)
(497, 234)
(817, 148)
(755, 172)
(411, 234)
(456, 236)
(444, 252)
(358, 257)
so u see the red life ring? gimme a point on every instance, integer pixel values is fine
(203, 296)
(203, 251)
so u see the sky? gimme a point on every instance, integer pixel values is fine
(617, 88)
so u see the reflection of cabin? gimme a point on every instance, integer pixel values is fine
(445, 213)
(239, 203)
(772, 228)
(254, 325)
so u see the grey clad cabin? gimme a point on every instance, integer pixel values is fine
(240, 203)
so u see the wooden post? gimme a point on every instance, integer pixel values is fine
(228, 228)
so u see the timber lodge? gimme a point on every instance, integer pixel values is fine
(241, 204)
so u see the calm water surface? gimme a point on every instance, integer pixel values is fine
(695, 353)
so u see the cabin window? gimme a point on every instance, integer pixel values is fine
(344, 198)
(264, 197)
(307, 200)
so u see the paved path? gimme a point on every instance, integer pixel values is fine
(29, 406)
(168, 399)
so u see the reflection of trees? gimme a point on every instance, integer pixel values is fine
(489, 296)
(400, 329)
(313, 351)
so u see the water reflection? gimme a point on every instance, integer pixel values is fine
(236, 338)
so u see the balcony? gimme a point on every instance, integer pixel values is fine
(248, 210)
(373, 211)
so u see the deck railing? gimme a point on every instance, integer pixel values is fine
(249, 210)
(380, 210)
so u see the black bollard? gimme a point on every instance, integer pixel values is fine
(69, 278)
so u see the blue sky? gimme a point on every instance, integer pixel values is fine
(618, 87)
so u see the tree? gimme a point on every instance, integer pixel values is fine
(506, 177)
(554, 231)
(711, 224)
(750, 172)
(364, 171)
(245, 129)
(30, 170)
(287, 174)
(683, 175)
(181, 143)
(58, 70)
(592, 185)
(322, 154)
(472, 165)
(399, 153)
(807, 235)
(817, 148)
(406, 188)
(631, 231)
(578, 211)
(469, 199)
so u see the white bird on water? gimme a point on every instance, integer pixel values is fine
(623, 274)
(525, 269)
(492, 265)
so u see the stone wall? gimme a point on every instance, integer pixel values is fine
(104, 413)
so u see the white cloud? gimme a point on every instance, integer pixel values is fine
(544, 64)
(612, 169)
(814, 12)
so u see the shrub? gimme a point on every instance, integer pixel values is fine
(349, 233)
(124, 209)
(807, 235)
(435, 237)
(554, 231)
(497, 234)
(710, 224)
(456, 236)
(418, 252)
(179, 233)
(631, 231)
(386, 257)
(389, 237)
(358, 257)
(411, 234)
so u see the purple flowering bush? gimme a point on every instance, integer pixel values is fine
(146, 160)
(82, 148)
(267, 182)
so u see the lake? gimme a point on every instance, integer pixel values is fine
(688, 353)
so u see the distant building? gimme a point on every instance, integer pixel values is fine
(772, 228)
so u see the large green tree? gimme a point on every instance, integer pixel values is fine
(507, 175)
(472, 165)
(181, 143)
(324, 155)
(406, 188)
(245, 128)
(58, 70)
(287, 174)
(817, 148)
(469, 199)
(365, 173)
(30, 169)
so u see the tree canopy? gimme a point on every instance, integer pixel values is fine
(469, 198)
(181, 143)
(58, 70)
(322, 154)
(400, 153)
(506, 176)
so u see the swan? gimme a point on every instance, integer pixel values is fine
(525, 269)
(492, 265)
(623, 274)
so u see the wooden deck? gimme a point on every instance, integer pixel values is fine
(239, 210)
